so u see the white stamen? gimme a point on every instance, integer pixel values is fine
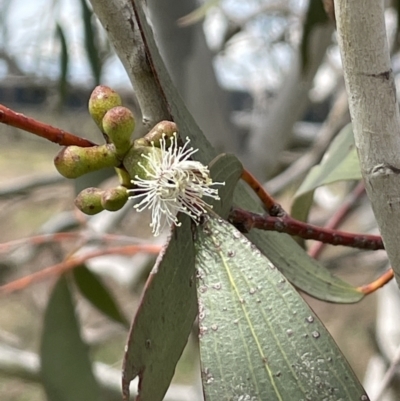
(174, 184)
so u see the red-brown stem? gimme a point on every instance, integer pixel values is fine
(53, 134)
(286, 224)
(65, 236)
(378, 283)
(338, 217)
(73, 262)
(273, 207)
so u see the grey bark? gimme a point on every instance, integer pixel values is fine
(374, 112)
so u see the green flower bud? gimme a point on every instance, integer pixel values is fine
(101, 100)
(89, 201)
(114, 198)
(135, 156)
(118, 124)
(74, 161)
(123, 177)
(163, 128)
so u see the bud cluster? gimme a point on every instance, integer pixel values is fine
(156, 168)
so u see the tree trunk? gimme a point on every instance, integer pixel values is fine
(374, 112)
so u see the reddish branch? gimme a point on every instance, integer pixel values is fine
(273, 207)
(65, 236)
(73, 262)
(378, 283)
(53, 134)
(247, 220)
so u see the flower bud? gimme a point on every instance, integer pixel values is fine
(118, 124)
(137, 163)
(114, 199)
(101, 100)
(163, 128)
(74, 161)
(89, 201)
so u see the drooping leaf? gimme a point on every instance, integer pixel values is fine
(340, 163)
(91, 46)
(258, 339)
(64, 62)
(301, 270)
(316, 15)
(92, 288)
(198, 14)
(168, 307)
(65, 366)
(164, 319)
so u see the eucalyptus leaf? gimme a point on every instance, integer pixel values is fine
(91, 46)
(198, 14)
(65, 366)
(340, 163)
(259, 340)
(64, 63)
(168, 307)
(164, 319)
(315, 16)
(92, 288)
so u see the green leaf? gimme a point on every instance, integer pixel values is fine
(340, 163)
(302, 271)
(258, 339)
(91, 47)
(281, 249)
(92, 288)
(164, 319)
(168, 307)
(64, 62)
(316, 15)
(65, 366)
(301, 206)
(198, 14)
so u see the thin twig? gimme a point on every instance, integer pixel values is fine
(273, 207)
(53, 134)
(64, 236)
(378, 283)
(247, 221)
(387, 378)
(73, 262)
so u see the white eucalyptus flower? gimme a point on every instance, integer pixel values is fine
(173, 184)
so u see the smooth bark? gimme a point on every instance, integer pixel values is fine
(374, 112)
